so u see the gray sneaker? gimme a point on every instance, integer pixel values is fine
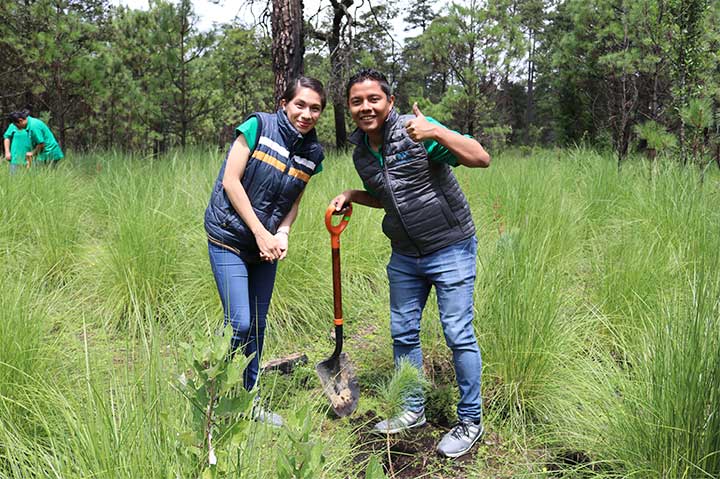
(402, 422)
(460, 439)
(260, 414)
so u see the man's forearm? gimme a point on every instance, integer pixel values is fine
(468, 151)
(363, 198)
(38, 149)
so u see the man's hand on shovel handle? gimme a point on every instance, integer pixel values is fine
(341, 202)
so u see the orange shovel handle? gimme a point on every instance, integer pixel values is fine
(335, 231)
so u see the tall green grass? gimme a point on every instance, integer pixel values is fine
(596, 311)
(648, 409)
(667, 424)
(41, 222)
(655, 413)
(22, 329)
(526, 313)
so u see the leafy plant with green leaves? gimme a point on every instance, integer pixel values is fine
(221, 410)
(690, 54)
(476, 44)
(302, 455)
(374, 469)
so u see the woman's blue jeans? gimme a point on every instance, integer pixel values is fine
(245, 291)
(452, 271)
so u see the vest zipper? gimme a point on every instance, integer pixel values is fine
(291, 153)
(397, 209)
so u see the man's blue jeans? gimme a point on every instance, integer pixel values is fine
(245, 291)
(452, 271)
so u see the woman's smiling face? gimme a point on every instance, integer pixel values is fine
(304, 109)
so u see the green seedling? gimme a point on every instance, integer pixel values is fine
(221, 407)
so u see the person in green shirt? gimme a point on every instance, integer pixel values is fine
(17, 145)
(405, 163)
(45, 148)
(253, 204)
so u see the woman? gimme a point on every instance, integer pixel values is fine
(17, 146)
(253, 205)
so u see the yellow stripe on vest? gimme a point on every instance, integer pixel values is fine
(300, 175)
(270, 160)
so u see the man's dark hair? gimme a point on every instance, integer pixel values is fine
(305, 82)
(16, 116)
(368, 74)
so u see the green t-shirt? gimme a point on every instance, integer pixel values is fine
(249, 129)
(19, 144)
(40, 133)
(436, 152)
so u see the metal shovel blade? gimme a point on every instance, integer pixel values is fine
(340, 384)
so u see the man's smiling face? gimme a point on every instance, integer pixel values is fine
(369, 106)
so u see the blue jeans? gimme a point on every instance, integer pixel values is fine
(452, 271)
(245, 291)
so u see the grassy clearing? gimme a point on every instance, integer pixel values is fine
(597, 313)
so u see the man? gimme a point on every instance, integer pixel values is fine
(404, 163)
(45, 148)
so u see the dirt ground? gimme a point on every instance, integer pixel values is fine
(412, 454)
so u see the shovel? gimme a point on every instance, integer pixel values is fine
(336, 374)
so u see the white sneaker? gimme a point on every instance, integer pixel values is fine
(402, 422)
(260, 414)
(460, 439)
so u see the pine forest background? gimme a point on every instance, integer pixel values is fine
(611, 73)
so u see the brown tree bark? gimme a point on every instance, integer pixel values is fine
(530, 104)
(288, 44)
(339, 42)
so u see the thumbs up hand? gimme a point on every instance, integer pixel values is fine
(419, 128)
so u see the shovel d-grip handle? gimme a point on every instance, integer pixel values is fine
(335, 231)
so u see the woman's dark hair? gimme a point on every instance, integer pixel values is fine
(16, 116)
(368, 74)
(305, 82)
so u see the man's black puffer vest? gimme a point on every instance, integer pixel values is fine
(276, 173)
(425, 209)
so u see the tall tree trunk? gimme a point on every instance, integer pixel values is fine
(654, 105)
(626, 105)
(336, 95)
(338, 54)
(530, 105)
(183, 80)
(339, 43)
(683, 103)
(340, 129)
(288, 44)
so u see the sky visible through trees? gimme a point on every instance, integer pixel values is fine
(640, 76)
(223, 11)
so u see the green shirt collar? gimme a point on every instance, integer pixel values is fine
(374, 153)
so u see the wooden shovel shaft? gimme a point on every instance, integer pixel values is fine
(337, 288)
(335, 231)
